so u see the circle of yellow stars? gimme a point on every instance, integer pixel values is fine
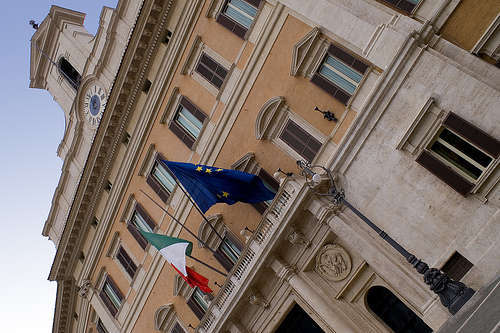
(209, 171)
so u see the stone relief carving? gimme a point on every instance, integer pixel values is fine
(83, 290)
(333, 262)
(296, 237)
(256, 298)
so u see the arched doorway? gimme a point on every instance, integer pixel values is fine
(393, 312)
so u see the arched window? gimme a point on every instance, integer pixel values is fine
(393, 312)
(69, 72)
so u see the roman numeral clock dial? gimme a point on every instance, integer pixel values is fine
(94, 102)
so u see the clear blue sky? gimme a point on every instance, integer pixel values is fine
(31, 129)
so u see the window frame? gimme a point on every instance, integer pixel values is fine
(186, 137)
(129, 265)
(100, 326)
(411, 12)
(192, 302)
(346, 58)
(107, 300)
(143, 243)
(448, 173)
(222, 256)
(153, 181)
(199, 63)
(231, 24)
(292, 150)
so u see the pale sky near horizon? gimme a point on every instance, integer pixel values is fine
(31, 129)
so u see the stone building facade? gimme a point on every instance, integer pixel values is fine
(398, 100)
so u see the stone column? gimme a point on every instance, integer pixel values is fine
(338, 321)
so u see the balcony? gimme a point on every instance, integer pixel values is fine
(292, 192)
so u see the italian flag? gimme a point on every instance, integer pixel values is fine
(174, 250)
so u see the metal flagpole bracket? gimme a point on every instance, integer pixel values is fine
(453, 294)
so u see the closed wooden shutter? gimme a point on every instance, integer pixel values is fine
(197, 309)
(211, 70)
(100, 327)
(107, 302)
(127, 263)
(347, 58)
(177, 328)
(473, 134)
(232, 25)
(457, 266)
(223, 259)
(445, 173)
(195, 111)
(299, 140)
(187, 139)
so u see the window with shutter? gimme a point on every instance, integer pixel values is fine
(177, 328)
(460, 154)
(457, 266)
(300, 141)
(212, 71)
(238, 15)
(160, 179)
(406, 6)
(100, 327)
(229, 251)
(111, 296)
(272, 184)
(339, 74)
(140, 220)
(126, 262)
(187, 122)
(197, 303)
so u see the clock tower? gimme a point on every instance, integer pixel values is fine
(77, 69)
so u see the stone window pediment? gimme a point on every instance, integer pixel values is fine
(268, 117)
(301, 50)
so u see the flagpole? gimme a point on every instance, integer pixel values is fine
(211, 267)
(192, 202)
(178, 222)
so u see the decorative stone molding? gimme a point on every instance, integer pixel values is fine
(163, 316)
(246, 163)
(296, 237)
(266, 117)
(207, 234)
(333, 262)
(85, 288)
(256, 298)
(301, 49)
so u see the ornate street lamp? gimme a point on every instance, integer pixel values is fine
(453, 294)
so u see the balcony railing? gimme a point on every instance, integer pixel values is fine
(274, 221)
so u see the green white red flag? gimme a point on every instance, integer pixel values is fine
(174, 250)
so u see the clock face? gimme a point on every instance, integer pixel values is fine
(94, 102)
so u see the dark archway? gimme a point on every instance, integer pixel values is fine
(393, 312)
(69, 72)
(298, 321)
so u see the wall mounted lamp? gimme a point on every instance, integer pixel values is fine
(326, 114)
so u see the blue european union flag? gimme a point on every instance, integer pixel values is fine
(208, 185)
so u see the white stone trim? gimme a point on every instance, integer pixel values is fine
(165, 318)
(208, 235)
(489, 43)
(268, 117)
(301, 50)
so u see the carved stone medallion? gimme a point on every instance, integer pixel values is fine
(333, 262)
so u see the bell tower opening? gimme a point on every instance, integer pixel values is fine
(69, 73)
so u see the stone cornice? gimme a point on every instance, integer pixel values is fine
(133, 66)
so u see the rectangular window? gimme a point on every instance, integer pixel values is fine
(228, 252)
(100, 327)
(140, 220)
(161, 180)
(238, 15)
(406, 6)
(460, 154)
(272, 184)
(457, 266)
(198, 303)
(211, 70)
(177, 328)
(299, 140)
(126, 262)
(187, 122)
(339, 74)
(111, 296)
